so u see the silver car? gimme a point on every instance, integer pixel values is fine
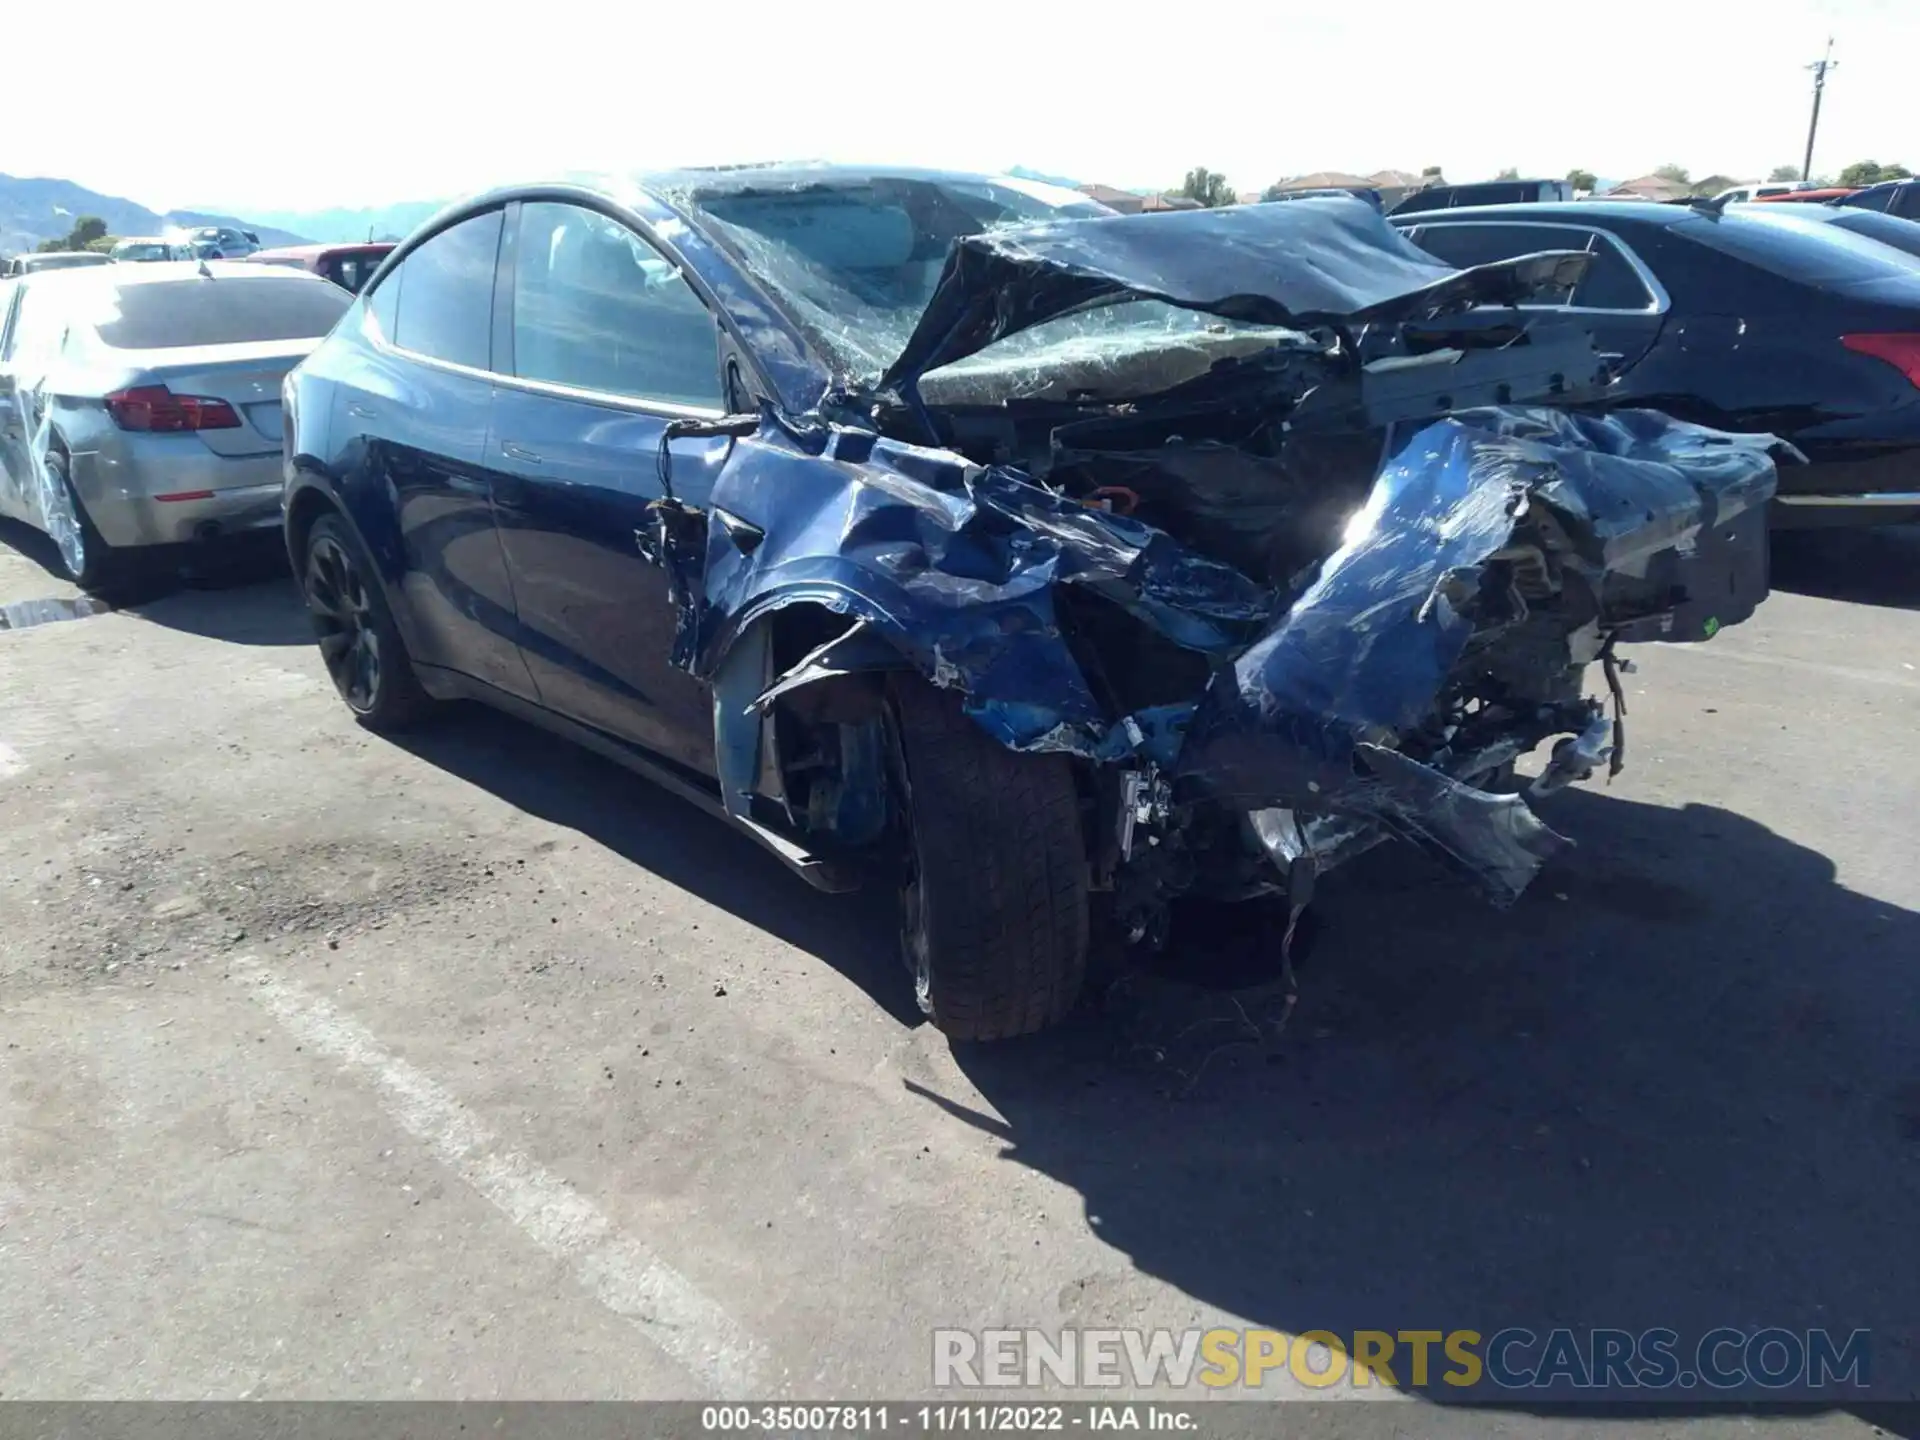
(140, 404)
(222, 242)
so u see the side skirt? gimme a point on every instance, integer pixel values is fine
(831, 874)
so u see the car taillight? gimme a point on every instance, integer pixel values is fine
(154, 407)
(1900, 351)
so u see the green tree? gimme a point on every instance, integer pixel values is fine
(1676, 173)
(1783, 172)
(1209, 187)
(1872, 172)
(86, 230)
(1512, 172)
(1273, 191)
(1581, 180)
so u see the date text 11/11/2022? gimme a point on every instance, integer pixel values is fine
(938, 1419)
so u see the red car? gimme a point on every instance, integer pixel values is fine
(348, 266)
(1807, 197)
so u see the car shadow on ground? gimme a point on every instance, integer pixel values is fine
(673, 839)
(1676, 1086)
(239, 591)
(250, 603)
(1868, 564)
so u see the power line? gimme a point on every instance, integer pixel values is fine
(1819, 68)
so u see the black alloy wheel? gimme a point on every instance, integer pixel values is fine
(363, 652)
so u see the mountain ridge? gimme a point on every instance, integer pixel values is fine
(35, 208)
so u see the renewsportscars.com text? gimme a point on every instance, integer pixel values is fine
(1515, 1358)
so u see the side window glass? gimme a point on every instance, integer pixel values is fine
(384, 304)
(1462, 246)
(1906, 203)
(1611, 282)
(36, 336)
(446, 304)
(597, 308)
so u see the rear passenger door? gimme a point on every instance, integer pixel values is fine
(609, 343)
(415, 422)
(1620, 298)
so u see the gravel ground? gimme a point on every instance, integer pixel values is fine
(471, 1066)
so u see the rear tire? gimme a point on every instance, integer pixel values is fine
(85, 558)
(359, 643)
(994, 907)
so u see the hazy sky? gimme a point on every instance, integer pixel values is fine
(359, 103)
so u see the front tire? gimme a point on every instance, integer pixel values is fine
(359, 643)
(994, 907)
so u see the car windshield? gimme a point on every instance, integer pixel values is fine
(857, 261)
(154, 251)
(228, 311)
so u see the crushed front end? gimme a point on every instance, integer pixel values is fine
(1286, 586)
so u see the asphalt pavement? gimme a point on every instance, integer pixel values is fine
(469, 1066)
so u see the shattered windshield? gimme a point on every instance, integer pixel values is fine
(857, 260)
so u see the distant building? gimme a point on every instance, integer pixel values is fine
(1125, 201)
(1392, 185)
(1169, 202)
(1395, 185)
(1647, 187)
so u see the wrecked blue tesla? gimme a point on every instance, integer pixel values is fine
(1048, 563)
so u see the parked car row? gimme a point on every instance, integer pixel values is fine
(1892, 197)
(349, 266)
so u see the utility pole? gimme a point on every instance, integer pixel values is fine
(1819, 68)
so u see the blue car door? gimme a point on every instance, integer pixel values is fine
(410, 423)
(609, 343)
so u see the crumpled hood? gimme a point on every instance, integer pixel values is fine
(1302, 263)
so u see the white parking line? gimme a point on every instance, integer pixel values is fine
(620, 1272)
(10, 762)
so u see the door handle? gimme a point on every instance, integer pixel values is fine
(515, 451)
(361, 412)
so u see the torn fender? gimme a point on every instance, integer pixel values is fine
(954, 566)
(1311, 716)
